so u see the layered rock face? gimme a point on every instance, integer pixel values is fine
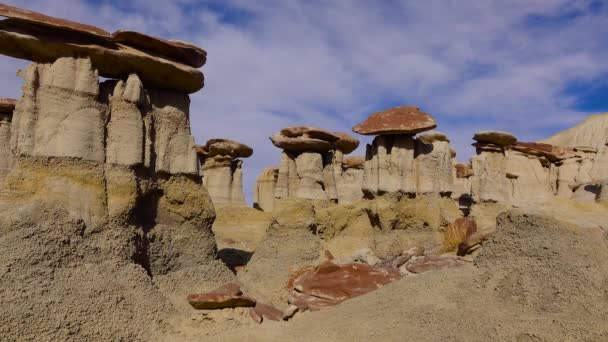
(7, 106)
(263, 196)
(398, 162)
(222, 170)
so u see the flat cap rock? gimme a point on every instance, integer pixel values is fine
(7, 105)
(551, 152)
(355, 162)
(398, 120)
(347, 143)
(301, 144)
(178, 51)
(224, 147)
(309, 132)
(586, 149)
(43, 39)
(495, 137)
(432, 136)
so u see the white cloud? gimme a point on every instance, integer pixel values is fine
(474, 64)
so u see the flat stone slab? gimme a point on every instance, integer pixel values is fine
(495, 137)
(398, 120)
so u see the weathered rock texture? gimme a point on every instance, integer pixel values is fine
(222, 170)
(263, 196)
(7, 106)
(159, 64)
(104, 193)
(396, 162)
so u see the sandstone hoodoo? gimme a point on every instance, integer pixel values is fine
(222, 170)
(306, 169)
(158, 63)
(103, 192)
(396, 162)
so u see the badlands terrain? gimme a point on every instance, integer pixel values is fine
(115, 225)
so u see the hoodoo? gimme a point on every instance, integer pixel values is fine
(396, 162)
(7, 106)
(222, 170)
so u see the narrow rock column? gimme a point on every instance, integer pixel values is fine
(265, 187)
(566, 177)
(603, 195)
(222, 170)
(6, 116)
(434, 164)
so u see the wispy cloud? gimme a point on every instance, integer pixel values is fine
(272, 63)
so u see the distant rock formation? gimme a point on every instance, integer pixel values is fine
(222, 170)
(263, 196)
(397, 162)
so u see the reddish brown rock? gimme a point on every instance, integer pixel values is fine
(306, 301)
(432, 263)
(39, 38)
(398, 120)
(224, 147)
(7, 105)
(181, 52)
(301, 144)
(495, 137)
(551, 152)
(56, 23)
(264, 311)
(432, 136)
(231, 289)
(309, 132)
(347, 143)
(356, 162)
(458, 231)
(213, 301)
(463, 170)
(341, 282)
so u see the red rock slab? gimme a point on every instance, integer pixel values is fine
(463, 170)
(340, 282)
(213, 301)
(432, 263)
(264, 311)
(7, 105)
(45, 44)
(398, 120)
(551, 152)
(306, 301)
(309, 132)
(301, 144)
(57, 23)
(347, 143)
(178, 51)
(356, 162)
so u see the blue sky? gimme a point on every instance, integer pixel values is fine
(531, 67)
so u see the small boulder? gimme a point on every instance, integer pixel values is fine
(264, 311)
(463, 170)
(356, 162)
(347, 143)
(432, 136)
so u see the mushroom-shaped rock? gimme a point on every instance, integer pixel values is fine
(225, 147)
(398, 120)
(347, 143)
(432, 136)
(309, 132)
(7, 105)
(43, 39)
(495, 137)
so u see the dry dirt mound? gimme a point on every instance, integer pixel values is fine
(536, 280)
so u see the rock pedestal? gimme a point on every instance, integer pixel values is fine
(398, 162)
(222, 170)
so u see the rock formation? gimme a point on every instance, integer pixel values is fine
(158, 63)
(397, 162)
(263, 196)
(104, 191)
(222, 170)
(306, 169)
(7, 106)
